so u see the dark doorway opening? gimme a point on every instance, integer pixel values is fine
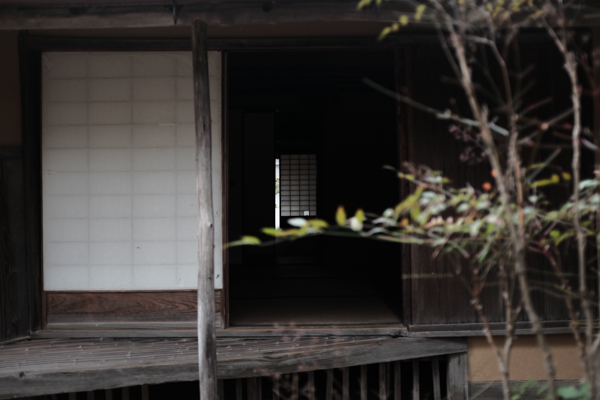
(312, 109)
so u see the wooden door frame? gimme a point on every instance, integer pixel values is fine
(30, 51)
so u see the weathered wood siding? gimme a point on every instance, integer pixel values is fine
(14, 309)
(439, 299)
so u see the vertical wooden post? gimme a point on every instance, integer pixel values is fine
(416, 392)
(238, 389)
(311, 385)
(345, 383)
(397, 380)
(457, 377)
(295, 391)
(207, 359)
(382, 386)
(435, 368)
(124, 393)
(329, 387)
(145, 392)
(220, 390)
(252, 389)
(276, 388)
(363, 382)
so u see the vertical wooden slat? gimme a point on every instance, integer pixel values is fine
(238, 389)
(225, 187)
(125, 393)
(435, 368)
(397, 381)
(252, 390)
(259, 387)
(294, 387)
(311, 385)
(53, 397)
(207, 360)
(73, 396)
(416, 389)
(457, 377)
(363, 382)
(329, 388)
(108, 395)
(90, 395)
(275, 380)
(30, 65)
(388, 379)
(220, 389)
(382, 387)
(345, 384)
(145, 392)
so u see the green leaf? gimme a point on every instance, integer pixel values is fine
(271, 231)
(384, 32)
(340, 216)
(317, 223)
(360, 215)
(245, 241)
(419, 12)
(554, 234)
(571, 392)
(362, 4)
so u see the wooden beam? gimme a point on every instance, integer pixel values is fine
(457, 377)
(214, 14)
(345, 383)
(382, 386)
(329, 387)
(435, 369)
(397, 380)
(311, 386)
(416, 390)
(207, 347)
(391, 350)
(363, 382)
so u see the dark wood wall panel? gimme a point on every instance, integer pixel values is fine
(14, 304)
(126, 307)
(439, 298)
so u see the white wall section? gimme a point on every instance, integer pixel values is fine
(119, 182)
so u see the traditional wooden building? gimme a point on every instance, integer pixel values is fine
(101, 106)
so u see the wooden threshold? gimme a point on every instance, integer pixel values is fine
(178, 330)
(41, 367)
(140, 310)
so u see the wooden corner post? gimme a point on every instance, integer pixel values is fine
(207, 353)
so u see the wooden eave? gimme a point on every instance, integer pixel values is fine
(49, 366)
(53, 15)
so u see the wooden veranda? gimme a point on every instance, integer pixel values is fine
(49, 366)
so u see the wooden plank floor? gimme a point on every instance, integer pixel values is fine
(70, 365)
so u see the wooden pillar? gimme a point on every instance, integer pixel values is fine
(416, 392)
(435, 368)
(457, 377)
(207, 354)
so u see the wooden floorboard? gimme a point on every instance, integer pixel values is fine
(49, 366)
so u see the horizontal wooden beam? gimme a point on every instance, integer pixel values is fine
(476, 329)
(188, 329)
(215, 14)
(124, 309)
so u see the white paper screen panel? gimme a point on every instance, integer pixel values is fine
(298, 185)
(119, 182)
